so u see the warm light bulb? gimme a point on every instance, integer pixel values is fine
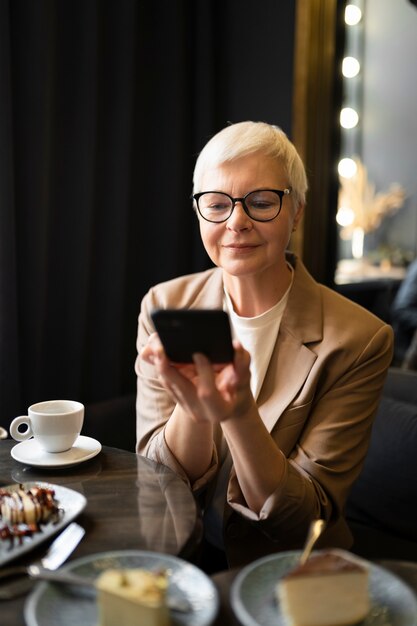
(353, 15)
(357, 242)
(350, 67)
(347, 168)
(345, 216)
(348, 118)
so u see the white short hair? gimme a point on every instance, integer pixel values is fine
(239, 140)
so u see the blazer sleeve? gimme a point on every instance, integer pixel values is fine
(154, 405)
(328, 452)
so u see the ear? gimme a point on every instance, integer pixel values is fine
(299, 211)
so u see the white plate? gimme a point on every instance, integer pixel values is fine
(71, 502)
(30, 453)
(60, 605)
(254, 602)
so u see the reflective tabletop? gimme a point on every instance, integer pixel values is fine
(132, 503)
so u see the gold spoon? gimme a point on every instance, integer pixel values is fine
(316, 528)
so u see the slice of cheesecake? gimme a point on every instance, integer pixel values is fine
(330, 589)
(132, 597)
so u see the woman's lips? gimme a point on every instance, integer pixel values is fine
(240, 247)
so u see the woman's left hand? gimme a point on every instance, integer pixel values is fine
(210, 392)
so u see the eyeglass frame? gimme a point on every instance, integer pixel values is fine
(281, 193)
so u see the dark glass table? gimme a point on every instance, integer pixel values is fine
(132, 504)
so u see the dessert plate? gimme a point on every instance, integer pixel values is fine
(71, 502)
(60, 605)
(30, 453)
(254, 601)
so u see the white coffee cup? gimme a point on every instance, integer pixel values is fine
(54, 424)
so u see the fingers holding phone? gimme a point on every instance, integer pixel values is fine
(205, 371)
(152, 350)
(154, 354)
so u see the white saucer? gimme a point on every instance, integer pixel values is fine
(30, 453)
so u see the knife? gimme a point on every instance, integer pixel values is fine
(58, 552)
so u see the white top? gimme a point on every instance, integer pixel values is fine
(258, 336)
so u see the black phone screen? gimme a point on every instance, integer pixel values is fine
(186, 331)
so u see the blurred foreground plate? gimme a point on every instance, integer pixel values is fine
(60, 605)
(254, 600)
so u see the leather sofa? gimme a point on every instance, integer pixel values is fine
(382, 506)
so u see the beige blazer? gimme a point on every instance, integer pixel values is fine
(318, 401)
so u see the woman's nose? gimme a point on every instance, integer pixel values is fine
(239, 219)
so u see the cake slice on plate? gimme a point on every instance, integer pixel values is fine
(131, 597)
(330, 589)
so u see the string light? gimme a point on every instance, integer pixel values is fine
(345, 216)
(353, 15)
(348, 118)
(347, 167)
(350, 67)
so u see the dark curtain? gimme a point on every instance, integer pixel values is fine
(104, 105)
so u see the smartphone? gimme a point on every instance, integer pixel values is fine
(186, 331)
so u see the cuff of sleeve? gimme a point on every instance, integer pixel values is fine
(159, 451)
(287, 509)
(274, 501)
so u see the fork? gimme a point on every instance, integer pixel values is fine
(57, 554)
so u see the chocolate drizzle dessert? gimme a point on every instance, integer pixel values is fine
(23, 511)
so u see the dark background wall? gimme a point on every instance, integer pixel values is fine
(104, 106)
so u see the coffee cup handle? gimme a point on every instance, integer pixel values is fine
(14, 428)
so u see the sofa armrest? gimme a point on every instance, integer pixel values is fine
(401, 384)
(373, 543)
(384, 497)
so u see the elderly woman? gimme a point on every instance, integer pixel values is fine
(277, 437)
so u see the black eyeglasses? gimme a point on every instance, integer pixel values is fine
(262, 205)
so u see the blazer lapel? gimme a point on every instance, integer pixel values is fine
(212, 294)
(292, 358)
